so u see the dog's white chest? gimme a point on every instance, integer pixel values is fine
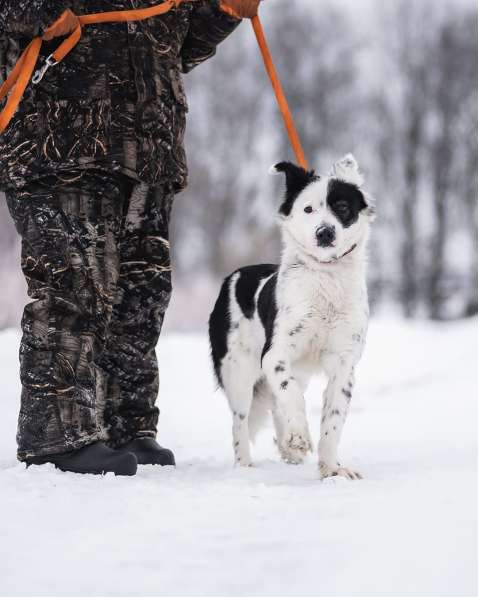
(327, 313)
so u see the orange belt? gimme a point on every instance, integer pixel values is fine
(22, 73)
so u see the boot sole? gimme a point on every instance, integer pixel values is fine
(126, 470)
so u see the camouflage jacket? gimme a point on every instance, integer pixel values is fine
(117, 101)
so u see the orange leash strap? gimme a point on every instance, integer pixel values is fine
(21, 74)
(114, 16)
(279, 93)
(19, 79)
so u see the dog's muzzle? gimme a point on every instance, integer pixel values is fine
(325, 236)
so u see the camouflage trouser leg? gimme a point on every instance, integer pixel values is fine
(130, 380)
(80, 239)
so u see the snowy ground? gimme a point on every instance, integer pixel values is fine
(205, 529)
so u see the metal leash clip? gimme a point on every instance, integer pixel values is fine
(39, 74)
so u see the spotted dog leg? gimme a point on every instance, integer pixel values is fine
(236, 371)
(293, 436)
(337, 397)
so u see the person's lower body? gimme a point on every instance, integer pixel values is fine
(95, 254)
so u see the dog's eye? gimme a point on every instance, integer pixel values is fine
(308, 209)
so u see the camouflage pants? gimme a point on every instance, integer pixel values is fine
(95, 254)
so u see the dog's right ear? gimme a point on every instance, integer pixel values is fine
(297, 179)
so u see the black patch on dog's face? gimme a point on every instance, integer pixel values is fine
(296, 180)
(267, 309)
(246, 287)
(346, 201)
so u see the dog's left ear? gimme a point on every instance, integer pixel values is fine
(347, 169)
(297, 179)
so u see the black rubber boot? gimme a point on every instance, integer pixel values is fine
(94, 459)
(148, 451)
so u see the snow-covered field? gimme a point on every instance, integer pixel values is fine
(410, 528)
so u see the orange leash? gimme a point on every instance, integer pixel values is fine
(22, 73)
(19, 79)
(279, 93)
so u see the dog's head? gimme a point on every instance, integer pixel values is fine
(325, 216)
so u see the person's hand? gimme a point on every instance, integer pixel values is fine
(67, 23)
(242, 9)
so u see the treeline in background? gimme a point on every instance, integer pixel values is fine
(397, 86)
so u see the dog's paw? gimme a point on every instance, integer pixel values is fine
(294, 448)
(326, 470)
(243, 462)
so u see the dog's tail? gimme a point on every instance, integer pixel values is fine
(260, 409)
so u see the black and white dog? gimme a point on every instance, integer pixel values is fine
(273, 327)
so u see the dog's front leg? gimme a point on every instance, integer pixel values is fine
(293, 436)
(337, 397)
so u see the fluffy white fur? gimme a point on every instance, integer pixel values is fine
(321, 324)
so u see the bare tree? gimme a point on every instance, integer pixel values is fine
(317, 55)
(454, 74)
(471, 204)
(466, 148)
(407, 48)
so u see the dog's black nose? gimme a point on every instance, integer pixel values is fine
(325, 236)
